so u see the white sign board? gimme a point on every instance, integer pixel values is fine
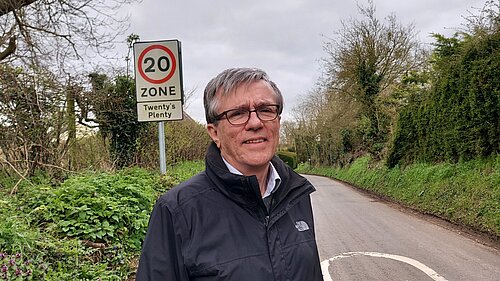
(159, 110)
(158, 80)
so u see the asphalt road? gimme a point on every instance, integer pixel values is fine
(362, 238)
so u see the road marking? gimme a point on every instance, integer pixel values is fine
(422, 267)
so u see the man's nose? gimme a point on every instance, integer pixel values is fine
(254, 120)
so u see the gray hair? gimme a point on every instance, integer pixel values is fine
(227, 81)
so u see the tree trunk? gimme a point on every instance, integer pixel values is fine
(71, 121)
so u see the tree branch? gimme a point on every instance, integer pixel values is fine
(11, 5)
(11, 48)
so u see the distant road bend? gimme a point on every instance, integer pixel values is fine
(361, 238)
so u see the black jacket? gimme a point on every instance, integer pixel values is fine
(215, 226)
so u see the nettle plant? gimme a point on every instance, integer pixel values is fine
(105, 208)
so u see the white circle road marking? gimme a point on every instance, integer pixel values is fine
(431, 273)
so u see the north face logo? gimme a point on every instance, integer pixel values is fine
(301, 226)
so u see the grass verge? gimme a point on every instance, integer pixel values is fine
(467, 194)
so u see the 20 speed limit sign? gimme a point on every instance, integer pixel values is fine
(158, 79)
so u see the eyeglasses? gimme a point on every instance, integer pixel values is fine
(240, 116)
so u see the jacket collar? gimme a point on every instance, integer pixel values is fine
(273, 180)
(244, 190)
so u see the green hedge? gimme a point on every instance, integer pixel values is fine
(289, 158)
(458, 118)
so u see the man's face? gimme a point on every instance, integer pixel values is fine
(250, 146)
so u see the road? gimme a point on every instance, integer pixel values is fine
(362, 238)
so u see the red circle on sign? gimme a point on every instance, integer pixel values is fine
(170, 73)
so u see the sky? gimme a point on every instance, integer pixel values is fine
(284, 38)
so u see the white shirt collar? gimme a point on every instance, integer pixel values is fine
(273, 179)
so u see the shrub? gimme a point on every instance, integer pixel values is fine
(290, 158)
(101, 208)
(90, 227)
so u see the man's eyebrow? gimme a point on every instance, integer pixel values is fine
(242, 106)
(246, 107)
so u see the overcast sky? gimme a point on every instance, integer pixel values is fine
(284, 38)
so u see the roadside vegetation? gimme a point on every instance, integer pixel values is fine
(419, 126)
(466, 193)
(88, 227)
(414, 123)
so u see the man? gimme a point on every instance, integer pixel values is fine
(248, 216)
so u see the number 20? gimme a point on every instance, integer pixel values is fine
(163, 64)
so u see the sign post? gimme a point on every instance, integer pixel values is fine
(161, 143)
(158, 82)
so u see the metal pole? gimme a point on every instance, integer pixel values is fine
(161, 141)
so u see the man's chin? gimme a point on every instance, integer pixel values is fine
(258, 163)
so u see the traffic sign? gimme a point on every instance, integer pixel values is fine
(159, 111)
(158, 70)
(158, 79)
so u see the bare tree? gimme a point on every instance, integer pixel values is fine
(40, 41)
(56, 30)
(368, 55)
(484, 20)
(366, 58)
(7, 6)
(28, 137)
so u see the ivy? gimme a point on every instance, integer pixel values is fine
(458, 118)
(115, 109)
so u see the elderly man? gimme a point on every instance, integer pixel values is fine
(248, 216)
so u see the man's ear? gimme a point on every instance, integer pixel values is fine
(213, 133)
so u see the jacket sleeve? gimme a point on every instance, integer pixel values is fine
(161, 257)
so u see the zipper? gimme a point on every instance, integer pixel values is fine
(266, 226)
(261, 208)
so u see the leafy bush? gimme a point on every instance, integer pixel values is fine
(458, 118)
(101, 208)
(90, 227)
(290, 158)
(18, 258)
